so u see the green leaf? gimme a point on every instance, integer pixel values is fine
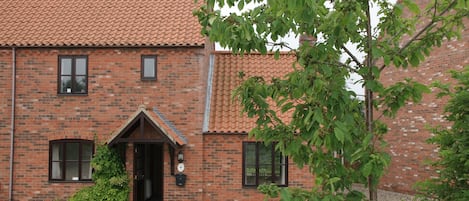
(374, 85)
(318, 116)
(377, 52)
(340, 131)
(287, 107)
(241, 5)
(414, 60)
(277, 54)
(212, 19)
(413, 7)
(297, 93)
(366, 169)
(355, 196)
(285, 194)
(387, 60)
(461, 4)
(376, 72)
(308, 117)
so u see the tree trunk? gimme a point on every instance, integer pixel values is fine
(369, 99)
(369, 125)
(373, 192)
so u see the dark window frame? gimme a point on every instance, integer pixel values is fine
(73, 76)
(273, 154)
(63, 143)
(142, 67)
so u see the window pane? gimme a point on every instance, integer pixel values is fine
(265, 174)
(71, 171)
(66, 84)
(81, 84)
(280, 169)
(66, 66)
(87, 151)
(56, 152)
(80, 68)
(85, 170)
(250, 154)
(71, 151)
(250, 176)
(250, 164)
(265, 155)
(280, 177)
(149, 67)
(56, 170)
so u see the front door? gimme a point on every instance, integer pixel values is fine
(148, 172)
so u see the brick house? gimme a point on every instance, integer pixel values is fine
(137, 75)
(134, 74)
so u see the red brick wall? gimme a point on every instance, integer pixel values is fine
(5, 120)
(408, 130)
(223, 157)
(114, 92)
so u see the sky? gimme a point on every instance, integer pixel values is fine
(292, 40)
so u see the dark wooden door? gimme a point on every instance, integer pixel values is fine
(148, 172)
(139, 172)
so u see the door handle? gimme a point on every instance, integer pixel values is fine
(139, 177)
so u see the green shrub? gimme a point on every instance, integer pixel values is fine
(110, 178)
(452, 183)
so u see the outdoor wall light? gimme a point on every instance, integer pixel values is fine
(180, 177)
(180, 157)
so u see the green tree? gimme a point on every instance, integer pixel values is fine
(328, 132)
(453, 165)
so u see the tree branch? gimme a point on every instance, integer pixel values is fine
(281, 44)
(338, 64)
(355, 59)
(423, 30)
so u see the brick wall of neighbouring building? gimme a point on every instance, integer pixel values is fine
(409, 130)
(115, 91)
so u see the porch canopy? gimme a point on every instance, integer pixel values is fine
(145, 126)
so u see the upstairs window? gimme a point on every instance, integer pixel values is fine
(70, 160)
(148, 71)
(263, 165)
(73, 75)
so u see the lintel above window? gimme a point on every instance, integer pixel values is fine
(148, 70)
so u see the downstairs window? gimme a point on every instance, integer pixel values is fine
(263, 165)
(70, 160)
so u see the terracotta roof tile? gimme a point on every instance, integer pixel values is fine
(225, 115)
(99, 23)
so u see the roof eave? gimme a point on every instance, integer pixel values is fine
(201, 45)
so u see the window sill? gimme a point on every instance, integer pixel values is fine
(71, 94)
(67, 181)
(148, 79)
(255, 186)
